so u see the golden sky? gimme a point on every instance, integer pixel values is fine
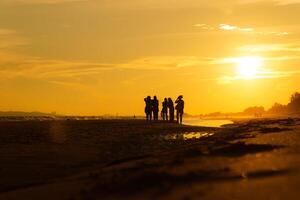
(91, 57)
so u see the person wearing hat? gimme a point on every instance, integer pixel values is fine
(179, 109)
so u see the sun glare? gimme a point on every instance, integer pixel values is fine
(248, 67)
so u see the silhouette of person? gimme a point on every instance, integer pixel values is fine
(155, 108)
(171, 109)
(148, 108)
(179, 109)
(164, 111)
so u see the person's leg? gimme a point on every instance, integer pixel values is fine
(173, 116)
(181, 114)
(177, 116)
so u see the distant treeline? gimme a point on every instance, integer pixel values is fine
(292, 108)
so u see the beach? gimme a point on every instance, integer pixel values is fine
(134, 159)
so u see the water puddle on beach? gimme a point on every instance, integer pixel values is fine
(188, 136)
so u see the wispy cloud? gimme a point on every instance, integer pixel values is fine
(70, 73)
(43, 68)
(165, 62)
(205, 26)
(259, 75)
(234, 60)
(234, 28)
(286, 2)
(228, 27)
(271, 47)
(39, 1)
(15, 65)
(277, 2)
(10, 38)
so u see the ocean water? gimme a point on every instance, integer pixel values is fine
(206, 122)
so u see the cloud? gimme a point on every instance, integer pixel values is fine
(205, 26)
(10, 38)
(43, 68)
(259, 75)
(277, 2)
(234, 60)
(234, 28)
(165, 62)
(228, 27)
(40, 1)
(287, 2)
(271, 48)
(22, 66)
(70, 73)
(13, 64)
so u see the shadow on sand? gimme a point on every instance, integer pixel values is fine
(144, 176)
(163, 181)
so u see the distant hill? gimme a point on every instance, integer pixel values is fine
(24, 114)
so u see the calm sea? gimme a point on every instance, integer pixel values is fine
(206, 122)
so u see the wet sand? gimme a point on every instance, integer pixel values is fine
(132, 159)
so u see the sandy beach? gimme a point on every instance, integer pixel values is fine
(149, 100)
(132, 159)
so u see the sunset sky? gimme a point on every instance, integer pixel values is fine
(93, 57)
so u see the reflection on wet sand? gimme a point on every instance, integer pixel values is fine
(57, 132)
(188, 136)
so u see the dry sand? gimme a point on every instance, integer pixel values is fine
(132, 159)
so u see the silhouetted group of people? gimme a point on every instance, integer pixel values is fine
(167, 111)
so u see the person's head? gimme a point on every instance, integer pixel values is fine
(166, 99)
(154, 97)
(148, 98)
(180, 97)
(169, 99)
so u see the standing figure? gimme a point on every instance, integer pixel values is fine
(171, 109)
(179, 109)
(155, 108)
(164, 110)
(148, 108)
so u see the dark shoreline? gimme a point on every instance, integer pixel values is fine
(124, 158)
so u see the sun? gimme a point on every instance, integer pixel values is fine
(248, 67)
